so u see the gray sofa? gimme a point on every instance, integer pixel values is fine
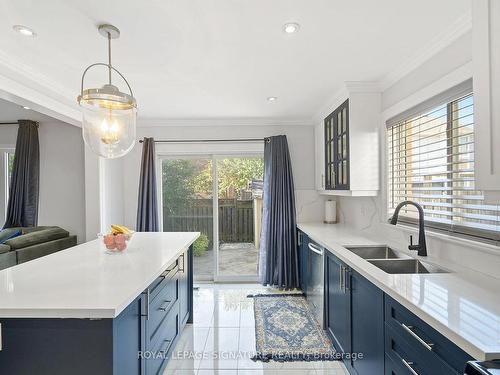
(35, 242)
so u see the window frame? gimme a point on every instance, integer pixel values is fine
(454, 230)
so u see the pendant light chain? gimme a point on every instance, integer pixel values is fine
(109, 57)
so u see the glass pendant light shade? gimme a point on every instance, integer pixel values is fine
(109, 115)
(109, 121)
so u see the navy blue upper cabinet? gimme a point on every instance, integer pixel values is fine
(367, 335)
(337, 148)
(347, 144)
(338, 303)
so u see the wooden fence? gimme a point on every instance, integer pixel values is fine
(236, 219)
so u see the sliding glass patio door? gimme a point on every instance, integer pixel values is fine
(187, 206)
(220, 197)
(239, 193)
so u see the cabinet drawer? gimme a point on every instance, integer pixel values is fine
(167, 333)
(411, 358)
(393, 368)
(423, 338)
(163, 279)
(160, 307)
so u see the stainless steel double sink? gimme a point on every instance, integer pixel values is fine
(394, 262)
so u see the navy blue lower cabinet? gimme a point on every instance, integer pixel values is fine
(367, 328)
(393, 368)
(185, 287)
(360, 318)
(338, 303)
(303, 241)
(129, 338)
(57, 347)
(410, 340)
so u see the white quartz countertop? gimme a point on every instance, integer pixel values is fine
(462, 305)
(86, 282)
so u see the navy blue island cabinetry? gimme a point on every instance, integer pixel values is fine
(137, 342)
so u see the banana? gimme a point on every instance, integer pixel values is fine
(115, 229)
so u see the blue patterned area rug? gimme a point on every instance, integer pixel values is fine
(286, 330)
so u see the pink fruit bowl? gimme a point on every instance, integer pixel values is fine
(115, 242)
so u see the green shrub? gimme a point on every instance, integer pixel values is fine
(200, 245)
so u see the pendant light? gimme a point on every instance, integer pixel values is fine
(109, 115)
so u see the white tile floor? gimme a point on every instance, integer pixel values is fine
(222, 338)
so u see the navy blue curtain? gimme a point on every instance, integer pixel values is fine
(147, 206)
(22, 208)
(279, 259)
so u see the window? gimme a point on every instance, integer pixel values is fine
(9, 156)
(6, 168)
(431, 161)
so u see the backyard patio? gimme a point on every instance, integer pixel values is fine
(239, 259)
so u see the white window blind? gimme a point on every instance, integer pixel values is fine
(431, 161)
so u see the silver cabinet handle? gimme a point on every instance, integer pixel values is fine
(346, 275)
(299, 238)
(419, 339)
(408, 365)
(181, 269)
(168, 342)
(165, 305)
(342, 279)
(315, 249)
(147, 304)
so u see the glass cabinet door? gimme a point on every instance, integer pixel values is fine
(337, 149)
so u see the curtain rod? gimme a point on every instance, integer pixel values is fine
(9, 123)
(210, 140)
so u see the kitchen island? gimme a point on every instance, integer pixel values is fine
(84, 311)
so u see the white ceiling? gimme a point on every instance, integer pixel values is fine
(223, 58)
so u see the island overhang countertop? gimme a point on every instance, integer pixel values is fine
(86, 282)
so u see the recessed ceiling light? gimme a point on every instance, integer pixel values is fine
(291, 27)
(25, 107)
(23, 30)
(272, 99)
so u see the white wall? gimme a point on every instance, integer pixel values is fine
(112, 190)
(62, 175)
(445, 61)
(300, 142)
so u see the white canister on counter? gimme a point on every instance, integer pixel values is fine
(330, 211)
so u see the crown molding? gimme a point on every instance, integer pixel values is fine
(163, 122)
(330, 104)
(342, 94)
(460, 27)
(24, 86)
(362, 86)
